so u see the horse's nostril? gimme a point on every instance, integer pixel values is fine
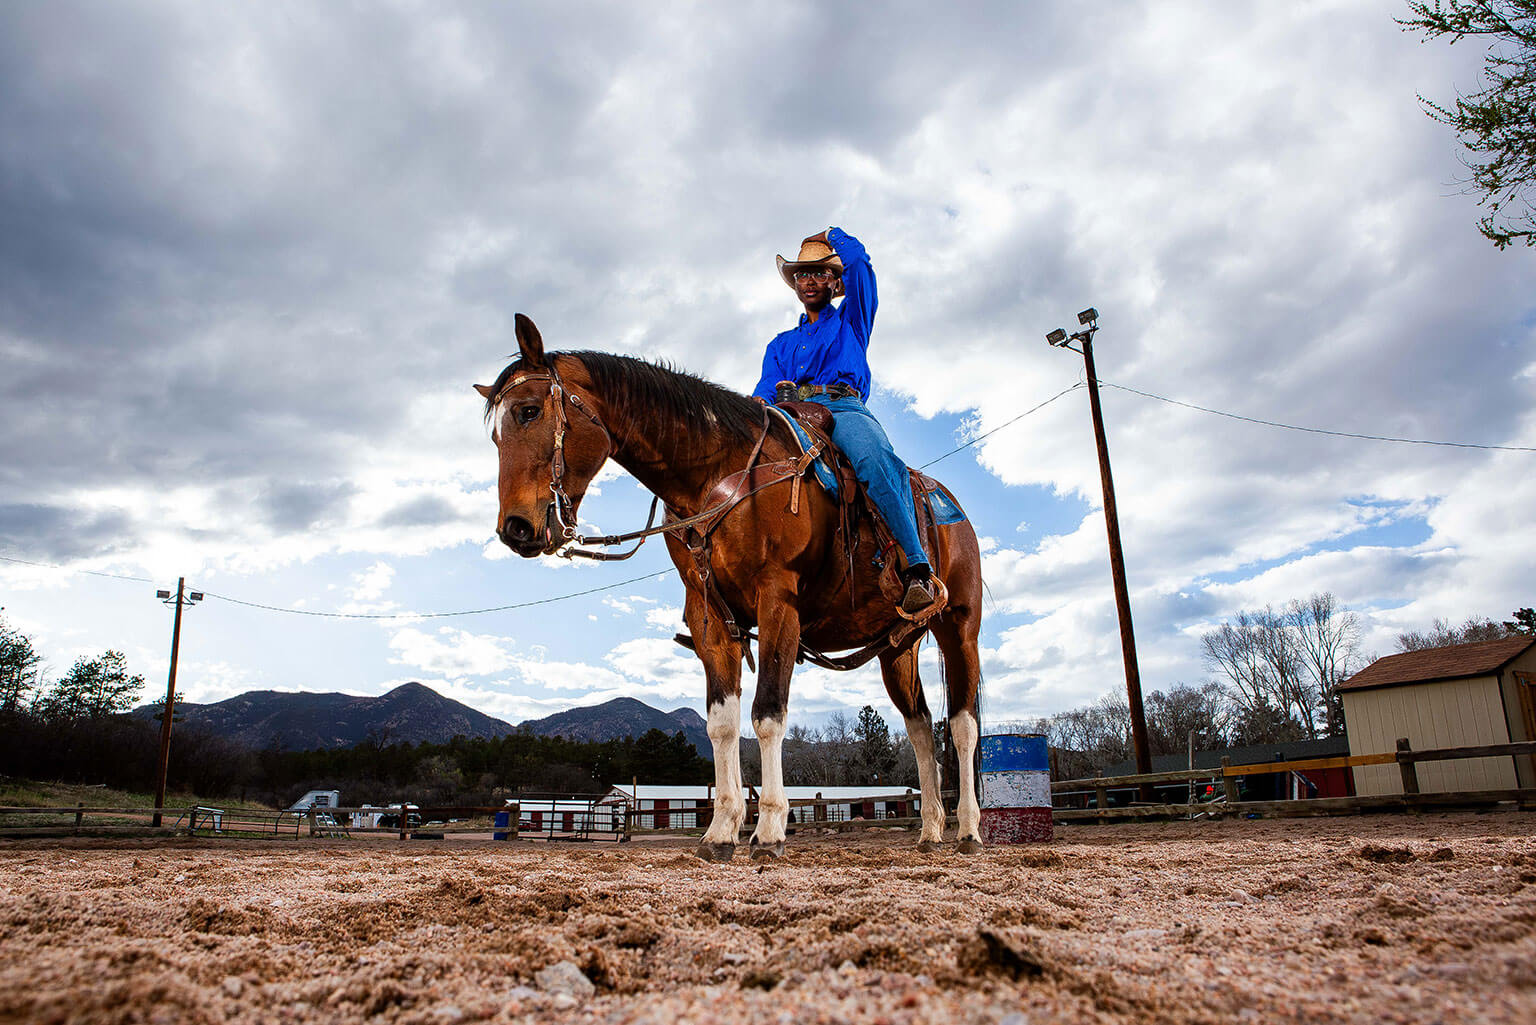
(516, 531)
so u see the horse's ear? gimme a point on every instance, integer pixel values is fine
(485, 391)
(529, 341)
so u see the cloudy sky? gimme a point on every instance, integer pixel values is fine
(252, 257)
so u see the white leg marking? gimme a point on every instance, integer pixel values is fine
(966, 733)
(920, 732)
(772, 805)
(724, 727)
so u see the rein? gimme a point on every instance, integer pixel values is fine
(700, 548)
(575, 541)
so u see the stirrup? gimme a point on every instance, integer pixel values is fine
(940, 599)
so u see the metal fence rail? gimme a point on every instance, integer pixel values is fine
(204, 820)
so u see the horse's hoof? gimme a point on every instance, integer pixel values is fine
(929, 847)
(715, 851)
(767, 851)
(970, 845)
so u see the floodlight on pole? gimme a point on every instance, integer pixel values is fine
(1089, 320)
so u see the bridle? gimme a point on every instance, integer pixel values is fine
(699, 543)
(559, 396)
(575, 544)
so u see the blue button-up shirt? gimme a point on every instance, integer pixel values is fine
(833, 349)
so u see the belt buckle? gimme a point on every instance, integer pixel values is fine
(805, 391)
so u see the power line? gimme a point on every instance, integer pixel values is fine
(1027, 412)
(358, 615)
(924, 466)
(517, 605)
(438, 615)
(1318, 430)
(71, 569)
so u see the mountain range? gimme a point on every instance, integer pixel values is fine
(411, 713)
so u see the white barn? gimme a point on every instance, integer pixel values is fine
(677, 807)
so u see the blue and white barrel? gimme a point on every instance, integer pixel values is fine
(1015, 789)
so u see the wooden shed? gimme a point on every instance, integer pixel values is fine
(1462, 696)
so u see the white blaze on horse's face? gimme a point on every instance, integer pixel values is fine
(547, 457)
(523, 432)
(498, 419)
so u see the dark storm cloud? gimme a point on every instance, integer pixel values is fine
(60, 534)
(213, 223)
(804, 74)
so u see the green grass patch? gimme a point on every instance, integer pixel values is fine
(27, 793)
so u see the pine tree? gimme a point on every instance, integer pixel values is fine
(92, 689)
(875, 757)
(19, 664)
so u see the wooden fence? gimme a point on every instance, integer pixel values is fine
(205, 820)
(64, 821)
(1229, 804)
(439, 822)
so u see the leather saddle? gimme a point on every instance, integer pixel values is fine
(812, 429)
(854, 502)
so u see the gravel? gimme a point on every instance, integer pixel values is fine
(1387, 918)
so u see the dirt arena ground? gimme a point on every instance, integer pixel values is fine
(1379, 919)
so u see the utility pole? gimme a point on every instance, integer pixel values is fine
(182, 599)
(1088, 319)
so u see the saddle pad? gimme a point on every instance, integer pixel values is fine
(824, 475)
(945, 511)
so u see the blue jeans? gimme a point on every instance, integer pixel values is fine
(884, 475)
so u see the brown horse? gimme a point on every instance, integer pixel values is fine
(774, 560)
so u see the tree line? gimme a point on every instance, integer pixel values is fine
(78, 728)
(1275, 677)
(479, 770)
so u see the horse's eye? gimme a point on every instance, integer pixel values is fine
(528, 414)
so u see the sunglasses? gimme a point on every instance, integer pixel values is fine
(814, 275)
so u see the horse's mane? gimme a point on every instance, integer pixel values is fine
(638, 391)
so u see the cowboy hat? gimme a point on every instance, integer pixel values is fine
(815, 254)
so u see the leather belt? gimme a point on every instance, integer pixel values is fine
(789, 391)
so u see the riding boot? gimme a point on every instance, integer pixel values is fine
(919, 594)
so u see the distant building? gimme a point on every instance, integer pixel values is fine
(1465, 695)
(678, 807)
